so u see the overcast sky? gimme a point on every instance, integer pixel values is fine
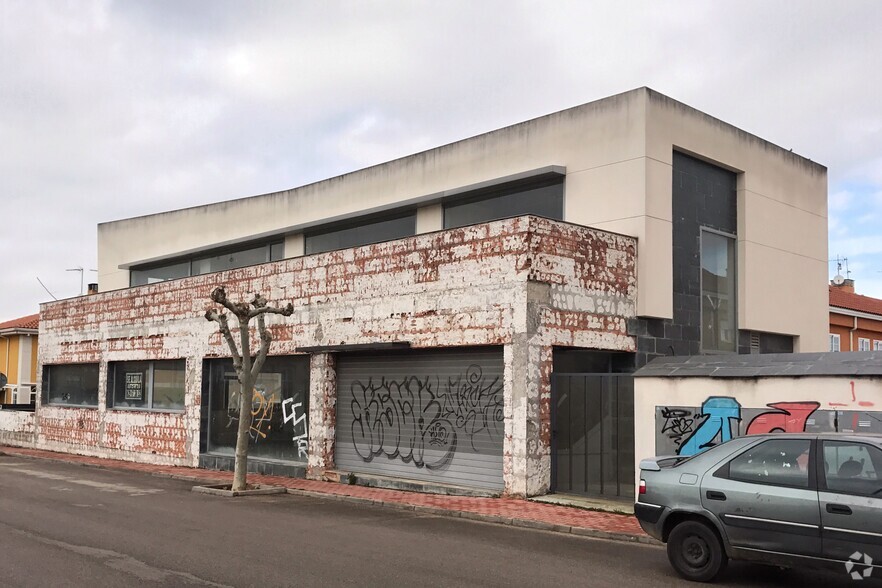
(116, 109)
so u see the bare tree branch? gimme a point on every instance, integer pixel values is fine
(286, 311)
(245, 344)
(221, 319)
(219, 295)
(265, 339)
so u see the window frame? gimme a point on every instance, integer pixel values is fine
(47, 383)
(823, 486)
(863, 344)
(148, 387)
(877, 345)
(734, 238)
(811, 468)
(835, 343)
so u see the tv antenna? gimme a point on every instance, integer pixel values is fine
(45, 288)
(839, 279)
(80, 269)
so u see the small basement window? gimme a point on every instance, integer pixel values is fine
(150, 385)
(71, 384)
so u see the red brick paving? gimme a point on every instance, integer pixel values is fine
(567, 519)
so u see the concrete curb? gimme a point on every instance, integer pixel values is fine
(486, 518)
(223, 490)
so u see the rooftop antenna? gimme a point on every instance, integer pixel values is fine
(47, 289)
(839, 279)
(80, 269)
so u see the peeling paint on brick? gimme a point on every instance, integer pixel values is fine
(527, 283)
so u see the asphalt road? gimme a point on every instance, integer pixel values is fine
(67, 525)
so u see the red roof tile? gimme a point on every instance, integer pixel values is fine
(32, 321)
(856, 302)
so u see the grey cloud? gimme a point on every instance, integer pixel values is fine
(117, 109)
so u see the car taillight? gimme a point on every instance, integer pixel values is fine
(642, 486)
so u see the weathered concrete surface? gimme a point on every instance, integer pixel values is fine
(16, 428)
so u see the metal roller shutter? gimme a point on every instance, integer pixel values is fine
(430, 416)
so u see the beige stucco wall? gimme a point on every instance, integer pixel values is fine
(833, 393)
(782, 218)
(617, 153)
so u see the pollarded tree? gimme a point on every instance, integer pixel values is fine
(247, 366)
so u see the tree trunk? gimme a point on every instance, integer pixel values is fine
(246, 373)
(243, 437)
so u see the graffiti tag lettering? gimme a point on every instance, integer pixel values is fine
(678, 424)
(473, 404)
(720, 412)
(413, 419)
(789, 417)
(689, 431)
(301, 440)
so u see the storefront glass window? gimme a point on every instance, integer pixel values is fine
(279, 409)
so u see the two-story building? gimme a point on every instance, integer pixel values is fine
(855, 319)
(466, 318)
(18, 360)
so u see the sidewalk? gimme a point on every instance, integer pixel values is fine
(508, 511)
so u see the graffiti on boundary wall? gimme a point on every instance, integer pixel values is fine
(682, 430)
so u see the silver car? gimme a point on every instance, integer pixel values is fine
(784, 499)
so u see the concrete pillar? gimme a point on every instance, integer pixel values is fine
(322, 414)
(526, 464)
(429, 218)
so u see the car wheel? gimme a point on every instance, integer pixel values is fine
(696, 552)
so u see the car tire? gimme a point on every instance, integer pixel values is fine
(696, 552)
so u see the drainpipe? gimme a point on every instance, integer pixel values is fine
(851, 335)
(3, 398)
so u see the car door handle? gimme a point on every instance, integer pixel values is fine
(838, 509)
(714, 495)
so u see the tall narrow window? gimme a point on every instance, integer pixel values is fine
(719, 329)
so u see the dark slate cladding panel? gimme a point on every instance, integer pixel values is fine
(703, 195)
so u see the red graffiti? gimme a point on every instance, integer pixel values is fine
(789, 417)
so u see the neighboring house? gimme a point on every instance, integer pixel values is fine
(468, 317)
(855, 320)
(18, 360)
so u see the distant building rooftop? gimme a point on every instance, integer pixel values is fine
(25, 324)
(867, 363)
(843, 298)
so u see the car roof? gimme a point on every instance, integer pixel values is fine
(835, 436)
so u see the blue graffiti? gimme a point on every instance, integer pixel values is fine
(719, 412)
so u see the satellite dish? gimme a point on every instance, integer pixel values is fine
(838, 279)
